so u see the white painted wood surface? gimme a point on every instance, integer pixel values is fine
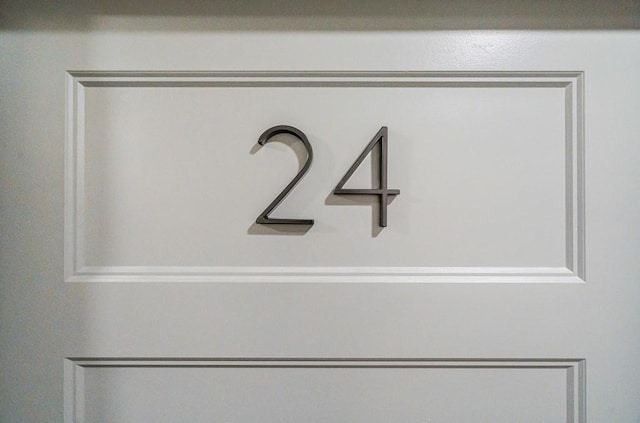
(325, 390)
(73, 344)
(161, 185)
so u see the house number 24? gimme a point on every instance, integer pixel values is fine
(383, 192)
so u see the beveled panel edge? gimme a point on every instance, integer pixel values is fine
(102, 75)
(571, 81)
(325, 274)
(575, 176)
(74, 367)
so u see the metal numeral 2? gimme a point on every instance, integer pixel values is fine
(263, 218)
(381, 138)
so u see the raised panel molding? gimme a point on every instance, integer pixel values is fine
(572, 371)
(76, 269)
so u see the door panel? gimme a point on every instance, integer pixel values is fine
(126, 297)
(336, 390)
(164, 177)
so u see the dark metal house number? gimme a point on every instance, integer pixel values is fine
(263, 218)
(383, 192)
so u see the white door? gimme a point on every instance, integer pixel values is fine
(138, 287)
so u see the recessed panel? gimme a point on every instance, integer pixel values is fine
(170, 177)
(294, 391)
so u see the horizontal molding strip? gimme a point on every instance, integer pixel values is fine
(320, 79)
(570, 81)
(322, 274)
(574, 369)
(84, 76)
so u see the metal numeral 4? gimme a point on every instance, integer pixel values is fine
(382, 191)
